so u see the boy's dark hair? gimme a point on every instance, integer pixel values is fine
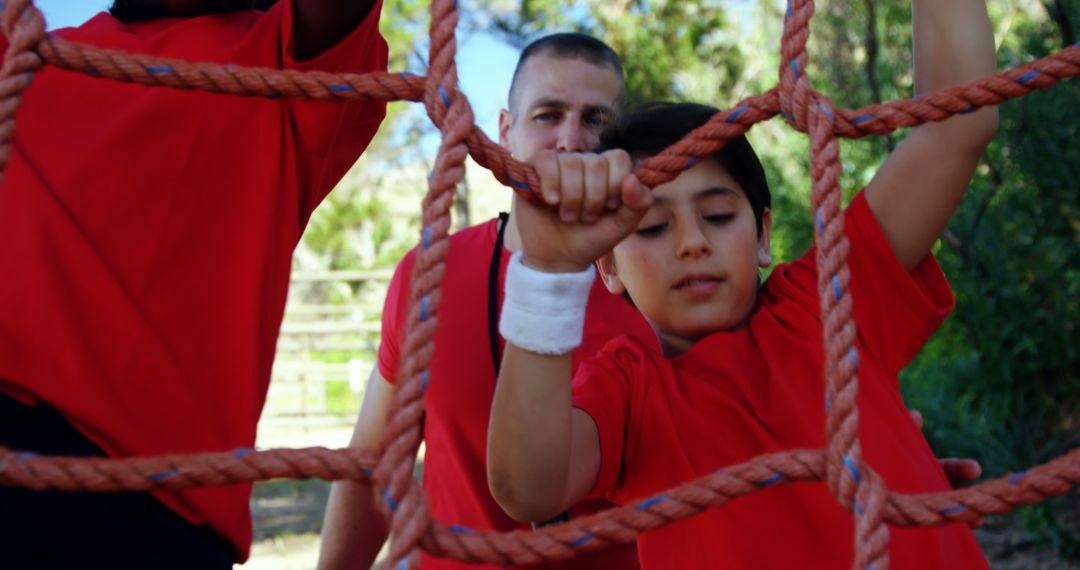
(651, 128)
(567, 45)
(130, 11)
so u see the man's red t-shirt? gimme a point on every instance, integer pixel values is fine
(146, 237)
(462, 384)
(760, 389)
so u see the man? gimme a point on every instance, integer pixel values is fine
(146, 236)
(565, 90)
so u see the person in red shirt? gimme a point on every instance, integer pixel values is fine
(738, 370)
(566, 88)
(146, 236)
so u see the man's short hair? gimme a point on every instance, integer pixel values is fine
(567, 45)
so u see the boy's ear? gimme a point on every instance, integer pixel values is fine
(608, 273)
(764, 241)
(506, 120)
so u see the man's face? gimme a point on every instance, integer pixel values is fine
(560, 104)
(141, 10)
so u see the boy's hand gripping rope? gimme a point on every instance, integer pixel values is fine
(855, 485)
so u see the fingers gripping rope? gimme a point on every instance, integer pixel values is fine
(856, 486)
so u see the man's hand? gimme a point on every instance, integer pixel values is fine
(592, 202)
(957, 470)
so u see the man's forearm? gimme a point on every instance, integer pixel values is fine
(353, 531)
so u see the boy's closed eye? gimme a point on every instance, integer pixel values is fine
(651, 230)
(719, 218)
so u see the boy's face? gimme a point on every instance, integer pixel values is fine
(691, 267)
(559, 104)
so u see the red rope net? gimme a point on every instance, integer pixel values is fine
(854, 484)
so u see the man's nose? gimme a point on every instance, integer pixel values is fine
(571, 137)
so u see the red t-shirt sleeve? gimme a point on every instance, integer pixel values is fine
(895, 311)
(395, 311)
(602, 389)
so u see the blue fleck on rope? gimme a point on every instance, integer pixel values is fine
(770, 481)
(851, 467)
(424, 308)
(517, 184)
(457, 529)
(390, 500)
(242, 452)
(690, 164)
(1015, 477)
(427, 237)
(163, 475)
(579, 542)
(445, 99)
(862, 119)
(735, 114)
(650, 502)
(1027, 77)
(953, 509)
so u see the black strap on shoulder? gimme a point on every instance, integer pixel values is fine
(493, 292)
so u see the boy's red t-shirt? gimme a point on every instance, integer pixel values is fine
(462, 384)
(146, 237)
(760, 389)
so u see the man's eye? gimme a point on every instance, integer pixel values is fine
(546, 117)
(598, 119)
(651, 231)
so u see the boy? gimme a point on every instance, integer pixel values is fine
(739, 371)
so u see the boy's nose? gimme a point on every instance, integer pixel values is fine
(692, 243)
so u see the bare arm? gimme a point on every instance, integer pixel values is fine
(320, 24)
(544, 455)
(533, 435)
(920, 185)
(353, 529)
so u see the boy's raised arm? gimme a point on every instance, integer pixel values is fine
(544, 455)
(920, 185)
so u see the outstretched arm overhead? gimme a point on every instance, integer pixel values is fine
(543, 455)
(921, 183)
(320, 24)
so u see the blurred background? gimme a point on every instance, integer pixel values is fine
(999, 382)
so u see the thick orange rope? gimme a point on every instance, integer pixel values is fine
(856, 486)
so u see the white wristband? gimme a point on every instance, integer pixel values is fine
(544, 312)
